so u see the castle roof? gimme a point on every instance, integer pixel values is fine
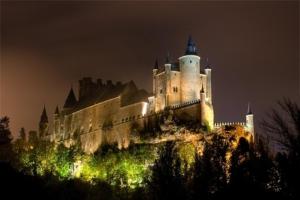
(191, 47)
(56, 110)
(207, 66)
(168, 58)
(156, 64)
(71, 99)
(44, 117)
(128, 91)
(249, 111)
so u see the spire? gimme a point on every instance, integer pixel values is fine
(44, 117)
(202, 89)
(168, 58)
(207, 66)
(56, 110)
(191, 47)
(156, 64)
(71, 99)
(249, 111)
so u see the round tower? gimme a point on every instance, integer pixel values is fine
(250, 121)
(190, 73)
(203, 107)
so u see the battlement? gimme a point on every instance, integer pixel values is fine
(221, 124)
(185, 104)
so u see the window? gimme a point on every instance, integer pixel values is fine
(175, 89)
(190, 61)
(161, 91)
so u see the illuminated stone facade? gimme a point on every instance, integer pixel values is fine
(110, 113)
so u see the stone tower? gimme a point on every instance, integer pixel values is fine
(44, 124)
(190, 73)
(155, 69)
(207, 71)
(203, 106)
(56, 119)
(250, 121)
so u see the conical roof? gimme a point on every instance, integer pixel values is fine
(56, 110)
(44, 117)
(191, 47)
(71, 99)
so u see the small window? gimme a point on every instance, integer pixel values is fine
(191, 61)
(175, 89)
(161, 91)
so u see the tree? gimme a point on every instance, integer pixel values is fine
(32, 139)
(251, 172)
(5, 140)
(166, 180)
(5, 134)
(283, 127)
(22, 135)
(209, 174)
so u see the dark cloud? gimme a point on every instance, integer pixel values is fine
(47, 46)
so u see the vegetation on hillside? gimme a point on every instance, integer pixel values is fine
(218, 166)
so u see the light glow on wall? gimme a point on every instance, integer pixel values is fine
(144, 109)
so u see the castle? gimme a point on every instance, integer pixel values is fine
(108, 113)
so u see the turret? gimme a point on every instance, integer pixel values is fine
(190, 73)
(168, 63)
(203, 106)
(44, 124)
(56, 121)
(167, 83)
(155, 70)
(56, 112)
(250, 121)
(207, 71)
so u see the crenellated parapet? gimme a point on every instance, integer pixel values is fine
(221, 124)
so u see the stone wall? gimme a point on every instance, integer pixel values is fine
(103, 123)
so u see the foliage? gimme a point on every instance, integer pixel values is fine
(5, 140)
(228, 166)
(166, 180)
(283, 126)
(128, 168)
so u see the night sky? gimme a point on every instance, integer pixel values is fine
(48, 46)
